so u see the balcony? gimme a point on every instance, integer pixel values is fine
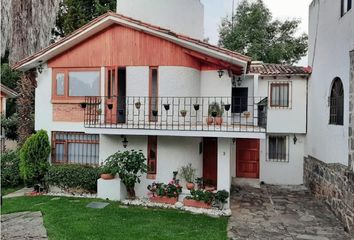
(198, 114)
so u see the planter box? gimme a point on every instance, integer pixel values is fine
(164, 199)
(195, 203)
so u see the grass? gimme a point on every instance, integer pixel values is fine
(69, 218)
(7, 190)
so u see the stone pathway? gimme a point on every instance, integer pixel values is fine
(19, 193)
(22, 225)
(272, 212)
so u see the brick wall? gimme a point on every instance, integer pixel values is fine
(334, 184)
(67, 112)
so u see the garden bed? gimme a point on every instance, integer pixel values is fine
(178, 205)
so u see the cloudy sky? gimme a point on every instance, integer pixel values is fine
(215, 10)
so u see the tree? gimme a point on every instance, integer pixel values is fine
(75, 13)
(253, 32)
(34, 157)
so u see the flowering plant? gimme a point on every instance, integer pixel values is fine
(172, 189)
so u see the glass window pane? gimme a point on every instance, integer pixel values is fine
(275, 95)
(84, 83)
(60, 84)
(59, 152)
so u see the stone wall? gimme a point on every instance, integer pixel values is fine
(334, 184)
(351, 112)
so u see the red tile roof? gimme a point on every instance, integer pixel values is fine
(134, 21)
(268, 69)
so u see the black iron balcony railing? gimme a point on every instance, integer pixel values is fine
(226, 114)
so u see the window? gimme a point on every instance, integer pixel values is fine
(152, 154)
(279, 95)
(345, 6)
(75, 83)
(75, 148)
(239, 100)
(277, 149)
(84, 83)
(336, 103)
(153, 94)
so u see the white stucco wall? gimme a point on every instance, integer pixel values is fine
(137, 81)
(286, 120)
(181, 16)
(284, 173)
(331, 38)
(212, 85)
(172, 153)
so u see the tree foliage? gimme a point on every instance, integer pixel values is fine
(75, 13)
(34, 157)
(257, 35)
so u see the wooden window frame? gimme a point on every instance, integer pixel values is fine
(279, 84)
(336, 111)
(66, 98)
(151, 117)
(66, 142)
(152, 141)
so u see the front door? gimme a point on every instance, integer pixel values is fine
(247, 158)
(210, 164)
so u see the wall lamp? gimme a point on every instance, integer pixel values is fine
(221, 73)
(125, 141)
(295, 139)
(40, 67)
(239, 81)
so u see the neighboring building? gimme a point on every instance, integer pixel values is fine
(331, 38)
(4, 95)
(120, 82)
(328, 169)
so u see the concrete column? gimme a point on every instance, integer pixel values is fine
(224, 164)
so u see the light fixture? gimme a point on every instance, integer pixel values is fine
(239, 81)
(295, 139)
(233, 140)
(125, 141)
(40, 67)
(221, 73)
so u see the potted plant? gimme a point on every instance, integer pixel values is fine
(188, 173)
(130, 165)
(196, 106)
(99, 111)
(183, 113)
(199, 199)
(227, 107)
(110, 106)
(154, 113)
(165, 193)
(109, 168)
(221, 197)
(166, 106)
(216, 111)
(83, 105)
(138, 105)
(208, 185)
(199, 182)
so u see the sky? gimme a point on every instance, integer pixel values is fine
(215, 10)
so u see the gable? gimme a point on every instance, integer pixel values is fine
(123, 46)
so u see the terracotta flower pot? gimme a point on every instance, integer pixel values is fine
(218, 120)
(107, 176)
(190, 186)
(195, 203)
(163, 199)
(209, 120)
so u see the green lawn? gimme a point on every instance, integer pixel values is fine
(68, 218)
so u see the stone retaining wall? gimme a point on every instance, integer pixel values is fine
(334, 184)
(351, 112)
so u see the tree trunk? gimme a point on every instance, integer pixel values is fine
(131, 192)
(25, 106)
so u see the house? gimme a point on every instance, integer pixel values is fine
(330, 141)
(119, 83)
(4, 95)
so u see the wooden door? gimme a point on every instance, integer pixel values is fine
(111, 92)
(210, 164)
(247, 158)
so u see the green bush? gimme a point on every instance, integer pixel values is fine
(73, 177)
(10, 173)
(10, 125)
(34, 157)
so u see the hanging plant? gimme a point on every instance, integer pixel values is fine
(110, 106)
(183, 113)
(196, 106)
(83, 105)
(227, 107)
(166, 106)
(138, 105)
(154, 113)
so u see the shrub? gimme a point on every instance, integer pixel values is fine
(73, 176)
(201, 195)
(10, 173)
(34, 157)
(10, 126)
(172, 189)
(221, 197)
(130, 166)
(188, 172)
